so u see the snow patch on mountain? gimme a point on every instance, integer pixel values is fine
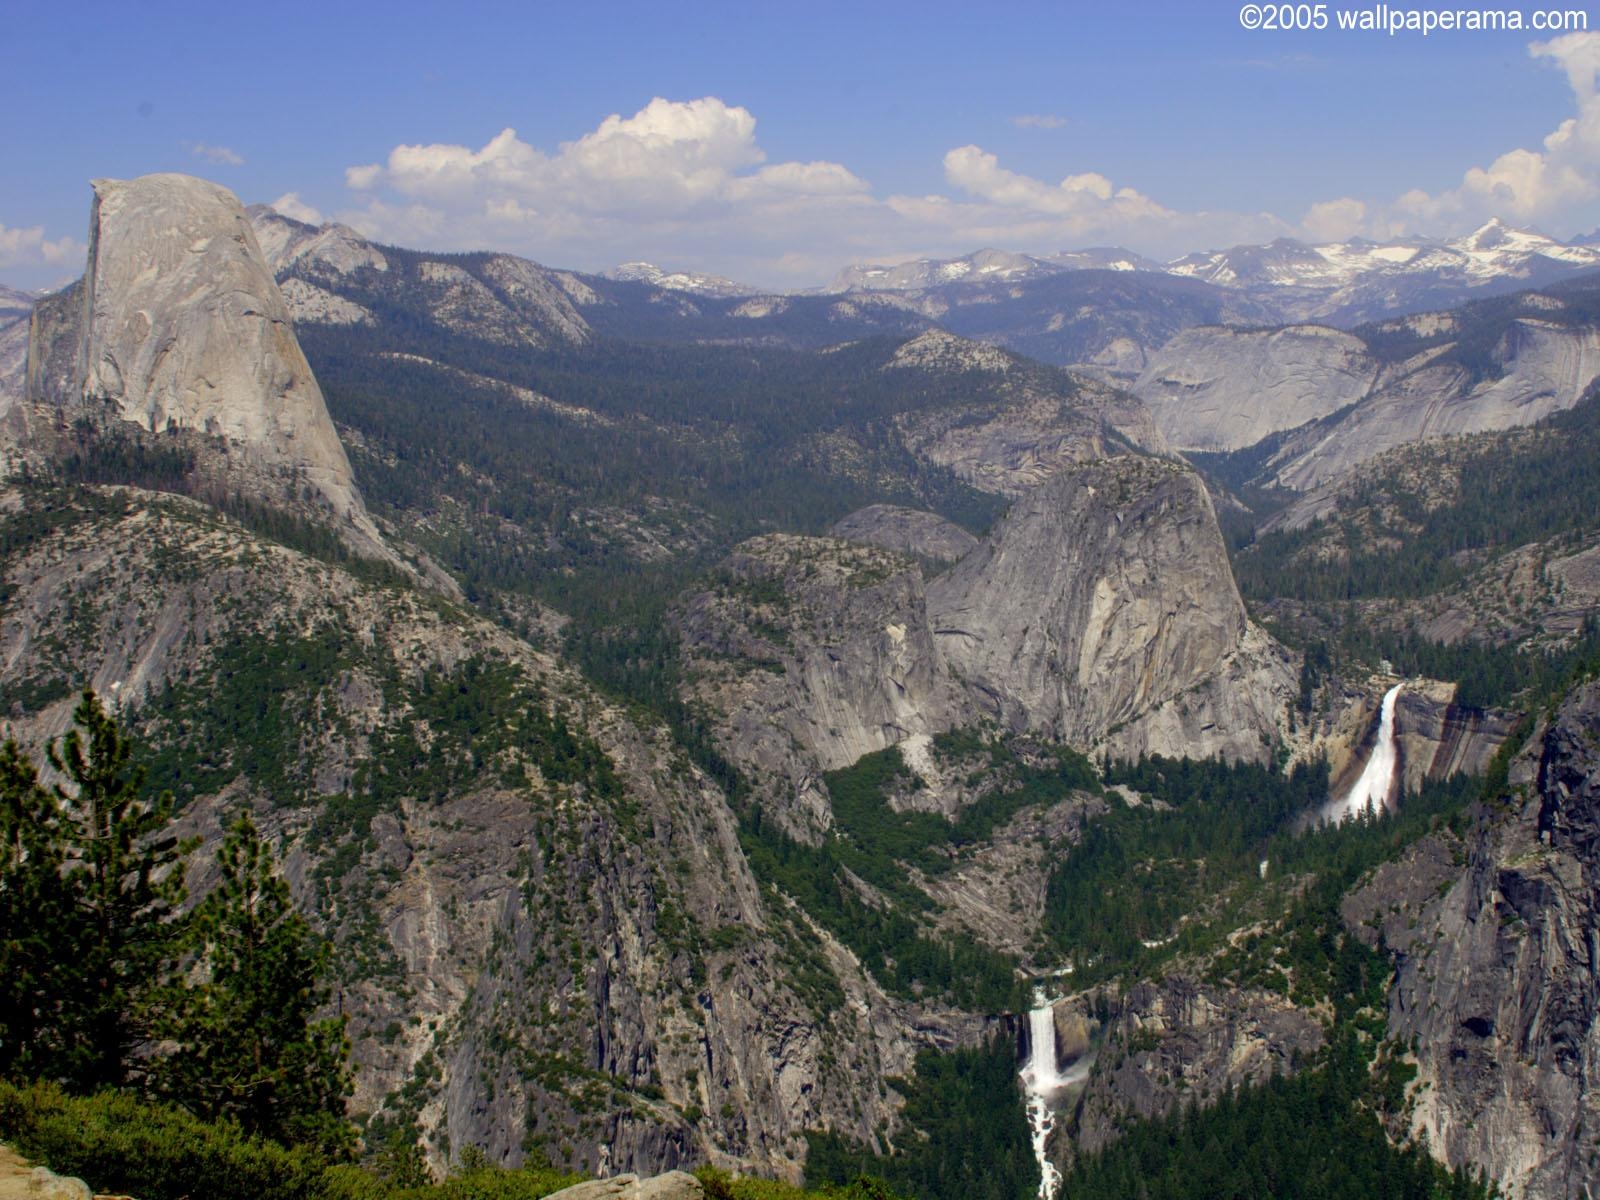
(679, 281)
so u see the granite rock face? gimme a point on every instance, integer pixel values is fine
(906, 530)
(814, 652)
(329, 272)
(1178, 1042)
(1497, 990)
(179, 327)
(1224, 389)
(515, 949)
(1102, 596)
(674, 1185)
(13, 383)
(1044, 425)
(1438, 738)
(15, 309)
(1539, 368)
(327, 249)
(1101, 611)
(1335, 400)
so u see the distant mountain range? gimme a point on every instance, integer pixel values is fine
(1105, 310)
(1341, 283)
(984, 266)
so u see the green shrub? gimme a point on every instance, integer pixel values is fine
(121, 1143)
(720, 1185)
(484, 1183)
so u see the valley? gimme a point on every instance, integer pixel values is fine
(883, 731)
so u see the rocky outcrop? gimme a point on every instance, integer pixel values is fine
(999, 892)
(1012, 448)
(15, 309)
(1178, 1042)
(1540, 368)
(14, 305)
(814, 652)
(331, 275)
(1224, 389)
(13, 385)
(309, 304)
(1332, 401)
(1103, 596)
(1496, 991)
(674, 1185)
(1235, 712)
(20, 1181)
(906, 531)
(334, 249)
(1101, 611)
(1018, 423)
(179, 328)
(1438, 738)
(531, 950)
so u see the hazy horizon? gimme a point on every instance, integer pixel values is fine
(776, 147)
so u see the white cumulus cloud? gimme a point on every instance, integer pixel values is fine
(296, 209)
(1554, 187)
(689, 182)
(677, 179)
(1334, 220)
(30, 248)
(222, 156)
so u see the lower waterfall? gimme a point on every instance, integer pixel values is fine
(1041, 1079)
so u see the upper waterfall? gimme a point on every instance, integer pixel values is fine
(1375, 785)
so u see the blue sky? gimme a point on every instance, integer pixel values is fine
(775, 143)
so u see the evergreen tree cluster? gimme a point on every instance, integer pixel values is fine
(1139, 873)
(108, 980)
(1514, 488)
(964, 1132)
(1316, 1136)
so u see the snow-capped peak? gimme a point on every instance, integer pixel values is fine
(1487, 236)
(679, 281)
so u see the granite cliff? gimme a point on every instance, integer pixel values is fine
(1494, 931)
(1311, 403)
(178, 329)
(1101, 611)
(1103, 606)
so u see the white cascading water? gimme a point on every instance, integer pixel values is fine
(1377, 777)
(1041, 1079)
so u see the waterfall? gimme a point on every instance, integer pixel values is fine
(1041, 1079)
(1372, 789)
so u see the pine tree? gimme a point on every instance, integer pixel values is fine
(125, 875)
(89, 889)
(249, 1046)
(35, 921)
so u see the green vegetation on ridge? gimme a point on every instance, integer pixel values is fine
(1506, 490)
(1313, 1136)
(964, 1135)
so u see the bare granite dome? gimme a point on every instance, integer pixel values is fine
(181, 326)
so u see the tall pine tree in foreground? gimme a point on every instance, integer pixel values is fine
(250, 1048)
(125, 872)
(36, 921)
(91, 881)
(105, 982)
